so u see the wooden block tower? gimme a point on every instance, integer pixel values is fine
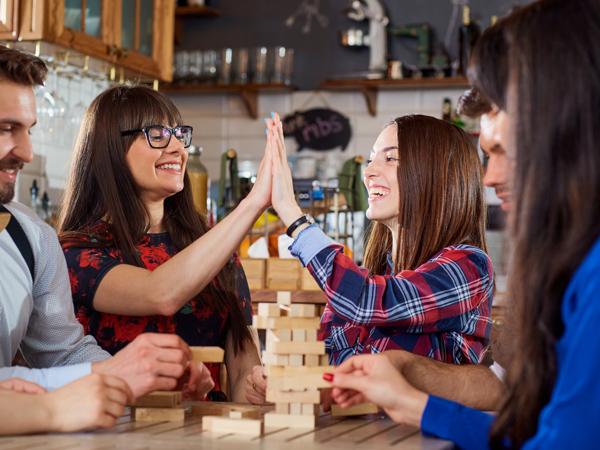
(294, 361)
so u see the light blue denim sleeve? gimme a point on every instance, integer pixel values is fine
(309, 243)
(51, 378)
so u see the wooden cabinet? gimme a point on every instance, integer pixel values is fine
(9, 19)
(134, 34)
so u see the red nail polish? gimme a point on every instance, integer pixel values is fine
(328, 376)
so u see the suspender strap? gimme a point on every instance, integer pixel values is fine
(16, 232)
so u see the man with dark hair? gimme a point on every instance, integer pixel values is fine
(36, 309)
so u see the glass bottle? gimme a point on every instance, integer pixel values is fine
(468, 34)
(198, 179)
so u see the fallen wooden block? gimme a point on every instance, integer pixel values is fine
(297, 348)
(290, 421)
(277, 396)
(159, 399)
(159, 414)
(208, 354)
(224, 409)
(355, 410)
(249, 427)
(286, 323)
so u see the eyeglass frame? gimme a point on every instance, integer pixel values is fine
(171, 134)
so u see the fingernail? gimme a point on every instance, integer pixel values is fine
(328, 377)
(272, 115)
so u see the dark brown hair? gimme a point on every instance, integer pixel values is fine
(101, 186)
(21, 68)
(441, 195)
(556, 185)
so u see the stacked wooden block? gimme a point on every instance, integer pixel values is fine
(294, 361)
(278, 274)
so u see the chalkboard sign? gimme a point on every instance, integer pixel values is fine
(318, 129)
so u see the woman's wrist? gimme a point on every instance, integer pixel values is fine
(412, 407)
(289, 214)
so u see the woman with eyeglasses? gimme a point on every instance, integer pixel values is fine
(427, 282)
(140, 257)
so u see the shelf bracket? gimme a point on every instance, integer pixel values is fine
(250, 98)
(370, 94)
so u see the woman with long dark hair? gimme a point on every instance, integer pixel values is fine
(552, 135)
(140, 257)
(427, 282)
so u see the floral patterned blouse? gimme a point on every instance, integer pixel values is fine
(198, 322)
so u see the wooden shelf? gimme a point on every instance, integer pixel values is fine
(200, 11)
(248, 92)
(370, 88)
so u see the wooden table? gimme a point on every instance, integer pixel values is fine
(372, 432)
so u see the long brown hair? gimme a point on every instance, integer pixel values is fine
(101, 186)
(556, 186)
(441, 195)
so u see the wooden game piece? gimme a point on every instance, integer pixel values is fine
(299, 335)
(312, 360)
(355, 410)
(324, 360)
(224, 409)
(298, 382)
(269, 310)
(311, 335)
(241, 413)
(273, 371)
(249, 427)
(286, 323)
(272, 359)
(296, 408)
(276, 396)
(303, 310)
(282, 408)
(159, 399)
(296, 360)
(305, 348)
(290, 421)
(284, 297)
(159, 414)
(208, 354)
(278, 336)
(309, 409)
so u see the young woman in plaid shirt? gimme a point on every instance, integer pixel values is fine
(427, 282)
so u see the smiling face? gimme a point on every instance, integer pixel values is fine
(158, 173)
(17, 117)
(493, 142)
(381, 178)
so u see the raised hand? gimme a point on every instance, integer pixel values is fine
(282, 190)
(261, 191)
(150, 362)
(374, 378)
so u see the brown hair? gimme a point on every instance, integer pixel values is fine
(556, 185)
(21, 68)
(441, 195)
(101, 186)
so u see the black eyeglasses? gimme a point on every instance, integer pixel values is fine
(159, 136)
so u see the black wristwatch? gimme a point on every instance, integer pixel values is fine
(306, 218)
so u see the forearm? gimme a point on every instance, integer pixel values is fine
(24, 413)
(474, 385)
(166, 289)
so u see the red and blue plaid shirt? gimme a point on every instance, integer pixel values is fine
(440, 310)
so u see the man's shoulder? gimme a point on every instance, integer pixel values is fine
(34, 227)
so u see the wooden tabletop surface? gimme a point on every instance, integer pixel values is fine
(332, 433)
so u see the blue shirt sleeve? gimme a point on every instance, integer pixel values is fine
(468, 428)
(309, 243)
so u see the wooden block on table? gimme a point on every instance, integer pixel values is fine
(303, 310)
(298, 382)
(274, 372)
(223, 409)
(356, 410)
(278, 336)
(324, 360)
(311, 335)
(296, 408)
(304, 348)
(286, 323)
(312, 360)
(296, 360)
(283, 266)
(244, 413)
(255, 284)
(309, 409)
(208, 354)
(159, 414)
(282, 408)
(283, 284)
(249, 427)
(299, 335)
(290, 421)
(159, 399)
(284, 298)
(271, 359)
(269, 310)
(276, 396)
